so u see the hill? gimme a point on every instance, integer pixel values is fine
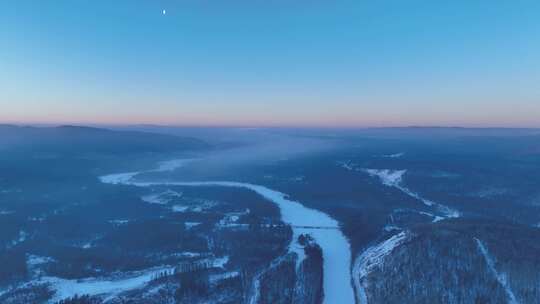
(76, 139)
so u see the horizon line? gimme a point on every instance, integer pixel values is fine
(240, 126)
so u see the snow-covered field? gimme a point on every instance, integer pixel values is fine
(336, 249)
(395, 155)
(100, 286)
(391, 178)
(162, 198)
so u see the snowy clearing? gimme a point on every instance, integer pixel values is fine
(162, 198)
(222, 276)
(171, 165)
(388, 177)
(98, 286)
(395, 155)
(113, 286)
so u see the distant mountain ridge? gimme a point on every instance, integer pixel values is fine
(71, 138)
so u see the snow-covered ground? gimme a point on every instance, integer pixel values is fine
(335, 247)
(161, 198)
(374, 255)
(171, 165)
(117, 179)
(34, 263)
(230, 220)
(391, 178)
(112, 286)
(21, 237)
(255, 292)
(218, 262)
(394, 178)
(87, 245)
(190, 225)
(100, 286)
(196, 205)
(109, 287)
(119, 222)
(188, 254)
(501, 277)
(34, 260)
(297, 179)
(179, 208)
(371, 258)
(395, 155)
(222, 276)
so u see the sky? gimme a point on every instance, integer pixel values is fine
(302, 63)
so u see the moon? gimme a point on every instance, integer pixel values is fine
(164, 12)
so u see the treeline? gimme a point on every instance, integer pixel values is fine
(192, 280)
(84, 299)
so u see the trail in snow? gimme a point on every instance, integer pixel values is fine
(501, 277)
(370, 259)
(335, 246)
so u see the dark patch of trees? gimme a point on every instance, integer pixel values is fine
(84, 299)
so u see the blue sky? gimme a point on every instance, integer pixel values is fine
(271, 63)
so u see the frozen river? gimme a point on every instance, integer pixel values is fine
(335, 246)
